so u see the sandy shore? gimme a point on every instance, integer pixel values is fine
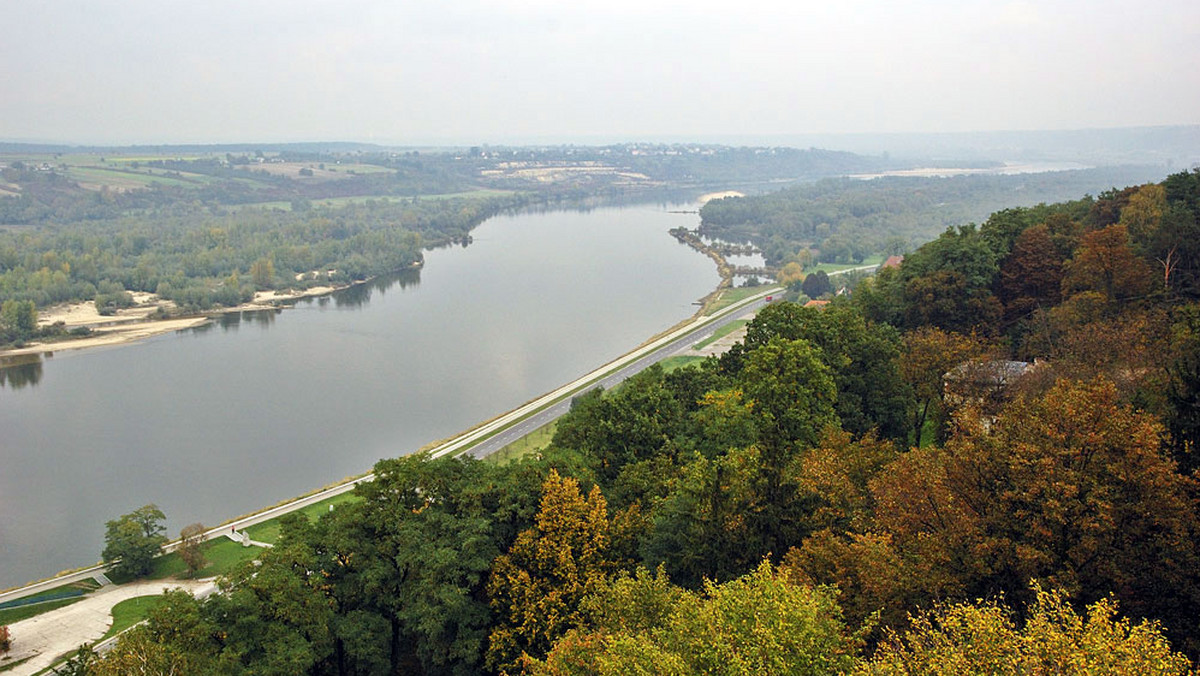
(704, 199)
(134, 323)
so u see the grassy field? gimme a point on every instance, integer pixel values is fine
(268, 531)
(125, 180)
(530, 443)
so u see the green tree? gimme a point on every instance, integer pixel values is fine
(132, 541)
(817, 284)
(19, 316)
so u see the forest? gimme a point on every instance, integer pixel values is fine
(845, 220)
(983, 461)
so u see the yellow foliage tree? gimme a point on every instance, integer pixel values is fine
(982, 638)
(536, 588)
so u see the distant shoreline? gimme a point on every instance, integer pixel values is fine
(133, 324)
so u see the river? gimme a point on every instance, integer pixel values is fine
(255, 408)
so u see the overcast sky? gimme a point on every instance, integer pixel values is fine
(513, 71)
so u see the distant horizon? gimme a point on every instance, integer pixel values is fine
(597, 140)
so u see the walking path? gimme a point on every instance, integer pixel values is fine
(49, 636)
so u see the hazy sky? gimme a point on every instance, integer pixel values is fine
(496, 71)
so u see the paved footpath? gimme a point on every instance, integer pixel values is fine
(51, 635)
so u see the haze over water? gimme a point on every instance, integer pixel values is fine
(213, 423)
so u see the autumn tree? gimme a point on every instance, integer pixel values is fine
(536, 587)
(927, 355)
(1143, 214)
(5, 639)
(1031, 276)
(986, 638)
(757, 624)
(191, 550)
(1105, 263)
(1069, 487)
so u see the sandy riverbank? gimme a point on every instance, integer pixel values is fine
(134, 323)
(704, 199)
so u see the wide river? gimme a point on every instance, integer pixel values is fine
(215, 422)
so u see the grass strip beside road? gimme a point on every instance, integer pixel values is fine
(13, 615)
(730, 296)
(530, 443)
(268, 531)
(721, 333)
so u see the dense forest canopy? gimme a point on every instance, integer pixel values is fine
(850, 490)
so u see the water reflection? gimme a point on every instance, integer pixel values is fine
(20, 371)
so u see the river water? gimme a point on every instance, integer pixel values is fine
(251, 409)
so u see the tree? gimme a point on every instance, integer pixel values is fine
(19, 316)
(408, 564)
(5, 639)
(861, 356)
(790, 391)
(817, 284)
(1031, 276)
(537, 586)
(1070, 487)
(133, 540)
(984, 638)
(191, 541)
(1105, 263)
(757, 624)
(928, 354)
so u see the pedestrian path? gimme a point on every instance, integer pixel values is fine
(51, 635)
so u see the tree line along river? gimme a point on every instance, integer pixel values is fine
(254, 408)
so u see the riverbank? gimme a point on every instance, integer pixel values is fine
(139, 322)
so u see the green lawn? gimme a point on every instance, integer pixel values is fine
(129, 612)
(268, 531)
(221, 554)
(5, 666)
